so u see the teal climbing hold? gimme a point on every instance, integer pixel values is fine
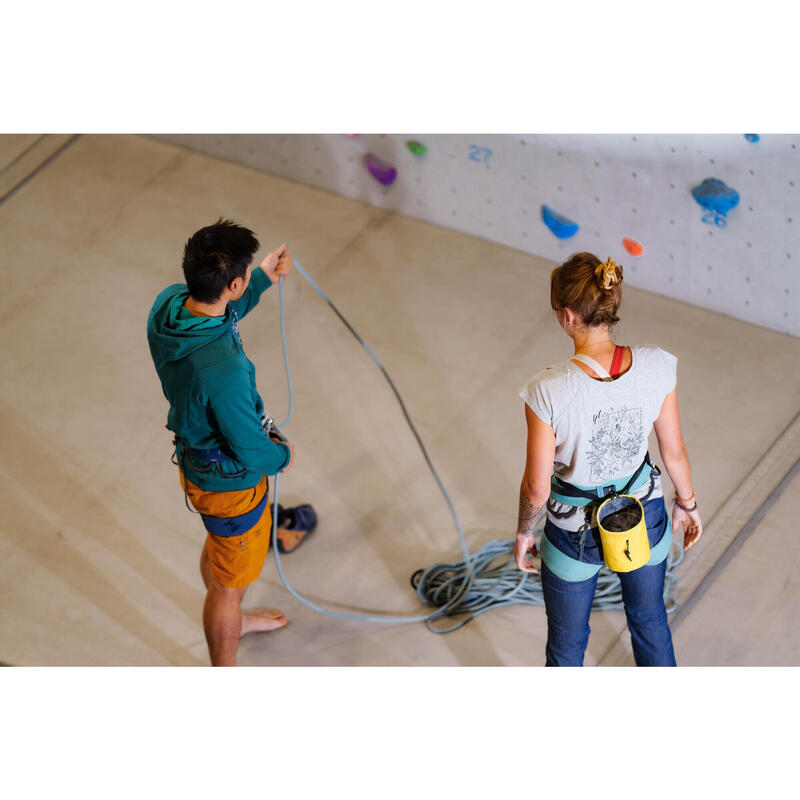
(417, 148)
(560, 225)
(751, 137)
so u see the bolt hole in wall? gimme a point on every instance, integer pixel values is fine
(666, 206)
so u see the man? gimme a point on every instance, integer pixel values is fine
(217, 416)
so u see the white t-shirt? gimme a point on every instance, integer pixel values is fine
(602, 427)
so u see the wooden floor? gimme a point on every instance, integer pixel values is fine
(99, 556)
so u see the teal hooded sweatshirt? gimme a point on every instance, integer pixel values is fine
(211, 388)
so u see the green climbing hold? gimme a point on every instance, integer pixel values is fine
(417, 148)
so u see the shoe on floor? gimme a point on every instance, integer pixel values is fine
(295, 524)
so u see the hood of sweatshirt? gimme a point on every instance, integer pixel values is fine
(174, 332)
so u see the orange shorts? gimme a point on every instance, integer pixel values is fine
(235, 558)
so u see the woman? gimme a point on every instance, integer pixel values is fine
(588, 421)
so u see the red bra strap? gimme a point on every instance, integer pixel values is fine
(616, 363)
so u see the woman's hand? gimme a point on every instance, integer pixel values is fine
(692, 525)
(525, 542)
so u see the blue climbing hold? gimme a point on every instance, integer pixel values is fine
(561, 226)
(717, 198)
(751, 137)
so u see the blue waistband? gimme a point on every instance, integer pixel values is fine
(216, 463)
(213, 454)
(235, 526)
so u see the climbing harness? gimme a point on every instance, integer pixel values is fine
(605, 500)
(209, 461)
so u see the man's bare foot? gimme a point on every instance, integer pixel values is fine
(263, 619)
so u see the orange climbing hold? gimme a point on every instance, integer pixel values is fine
(634, 248)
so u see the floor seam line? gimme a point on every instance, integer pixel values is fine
(25, 152)
(735, 545)
(39, 168)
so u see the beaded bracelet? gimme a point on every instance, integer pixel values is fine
(680, 505)
(685, 499)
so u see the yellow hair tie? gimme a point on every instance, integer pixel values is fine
(607, 272)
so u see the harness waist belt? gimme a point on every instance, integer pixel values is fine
(234, 526)
(210, 460)
(214, 454)
(570, 569)
(568, 494)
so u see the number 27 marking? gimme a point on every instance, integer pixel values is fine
(476, 152)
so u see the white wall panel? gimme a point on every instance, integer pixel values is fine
(613, 186)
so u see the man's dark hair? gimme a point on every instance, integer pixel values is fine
(214, 256)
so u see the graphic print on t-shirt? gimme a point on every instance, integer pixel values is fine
(616, 440)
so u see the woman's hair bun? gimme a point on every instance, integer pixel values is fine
(607, 274)
(592, 289)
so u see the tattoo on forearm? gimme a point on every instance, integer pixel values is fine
(529, 514)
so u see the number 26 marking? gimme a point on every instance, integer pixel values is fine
(476, 152)
(716, 218)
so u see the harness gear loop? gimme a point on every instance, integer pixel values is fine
(180, 464)
(584, 531)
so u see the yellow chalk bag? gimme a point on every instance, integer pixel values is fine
(627, 550)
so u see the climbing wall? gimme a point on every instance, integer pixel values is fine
(712, 220)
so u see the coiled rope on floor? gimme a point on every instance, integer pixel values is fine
(496, 582)
(482, 581)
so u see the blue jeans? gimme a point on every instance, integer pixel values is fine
(569, 603)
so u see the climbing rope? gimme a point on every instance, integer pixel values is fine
(455, 595)
(496, 582)
(482, 581)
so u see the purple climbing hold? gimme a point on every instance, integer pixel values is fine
(381, 170)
